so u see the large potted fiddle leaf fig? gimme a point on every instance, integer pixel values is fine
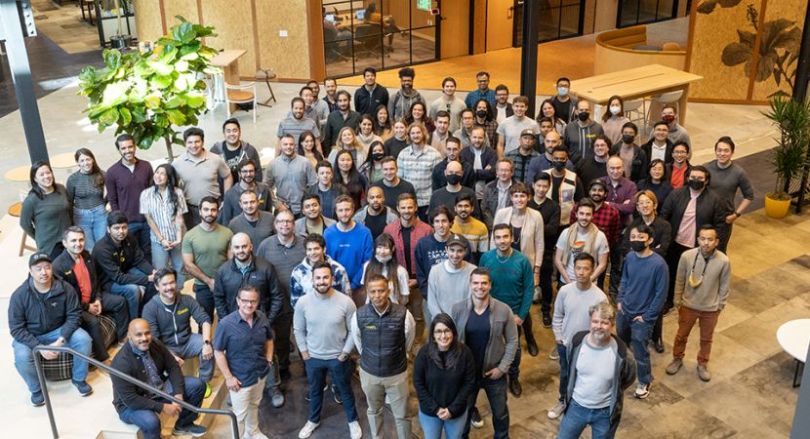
(149, 93)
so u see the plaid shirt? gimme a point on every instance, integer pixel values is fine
(416, 167)
(491, 129)
(607, 219)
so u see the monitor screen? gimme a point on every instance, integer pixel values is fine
(360, 15)
(330, 18)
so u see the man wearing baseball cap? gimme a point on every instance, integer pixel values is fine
(46, 311)
(449, 280)
(523, 154)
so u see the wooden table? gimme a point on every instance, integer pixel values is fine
(636, 83)
(794, 338)
(228, 61)
(65, 160)
(20, 173)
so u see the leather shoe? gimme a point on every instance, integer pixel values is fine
(659, 346)
(515, 388)
(546, 320)
(532, 349)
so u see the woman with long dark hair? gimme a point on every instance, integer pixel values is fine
(418, 114)
(444, 378)
(371, 169)
(384, 264)
(485, 118)
(382, 123)
(46, 211)
(307, 148)
(85, 191)
(365, 132)
(347, 175)
(164, 205)
(656, 182)
(547, 110)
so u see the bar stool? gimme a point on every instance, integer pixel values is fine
(266, 75)
(15, 210)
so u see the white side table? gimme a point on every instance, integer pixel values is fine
(794, 338)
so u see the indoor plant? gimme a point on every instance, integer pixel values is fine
(149, 93)
(792, 117)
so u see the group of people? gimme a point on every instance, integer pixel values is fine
(369, 227)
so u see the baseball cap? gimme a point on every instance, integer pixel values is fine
(457, 239)
(598, 182)
(527, 132)
(38, 257)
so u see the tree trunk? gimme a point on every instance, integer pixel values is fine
(170, 156)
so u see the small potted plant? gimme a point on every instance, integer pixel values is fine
(792, 117)
(120, 40)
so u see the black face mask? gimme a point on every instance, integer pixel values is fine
(453, 179)
(628, 139)
(638, 246)
(377, 156)
(558, 165)
(583, 116)
(481, 113)
(697, 184)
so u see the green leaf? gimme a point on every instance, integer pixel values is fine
(195, 100)
(109, 117)
(176, 117)
(112, 58)
(126, 116)
(152, 101)
(139, 115)
(162, 82)
(161, 68)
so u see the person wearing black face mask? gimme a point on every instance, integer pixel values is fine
(579, 134)
(566, 187)
(645, 278)
(446, 196)
(484, 117)
(686, 209)
(634, 158)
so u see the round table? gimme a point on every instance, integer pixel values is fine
(63, 161)
(20, 173)
(794, 338)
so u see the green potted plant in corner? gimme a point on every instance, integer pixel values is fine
(793, 120)
(120, 40)
(149, 93)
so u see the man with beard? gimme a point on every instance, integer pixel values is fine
(523, 154)
(205, 248)
(545, 161)
(248, 180)
(416, 164)
(601, 369)
(607, 219)
(235, 151)
(483, 160)
(349, 242)
(400, 104)
(124, 181)
(566, 186)
(581, 237)
(594, 166)
(391, 184)
(339, 118)
(376, 215)
(313, 220)
(453, 149)
(290, 175)
(257, 224)
(301, 280)
(322, 323)
(326, 189)
(473, 230)
(449, 280)
(296, 123)
(446, 196)
(580, 133)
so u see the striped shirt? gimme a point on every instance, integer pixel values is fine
(159, 207)
(83, 192)
(475, 231)
(293, 126)
(417, 168)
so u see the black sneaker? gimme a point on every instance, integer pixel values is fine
(515, 388)
(193, 429)
(475, 418)
(336, 395)
(83, 388)
(546, 320)
(531, 347)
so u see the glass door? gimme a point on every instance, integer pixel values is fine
(557, 19)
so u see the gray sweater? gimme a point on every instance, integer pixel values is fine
(321, 324)
(726, 181)
(571, 310)
(448, 286)
(171, 324)
(259, 232)
(712, 293)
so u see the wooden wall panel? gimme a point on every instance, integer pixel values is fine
(185, 8)
(233, 21)
(289, 56)
(455, 28)
(792, 10)
(149, 23)
(499, 24)
(479, 26)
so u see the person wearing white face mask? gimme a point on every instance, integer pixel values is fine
(564, 104)
(614, 119)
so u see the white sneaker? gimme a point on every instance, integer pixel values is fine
(556, 411)
(554, 355)
(355, 431)
(309, 427)
(642, 391)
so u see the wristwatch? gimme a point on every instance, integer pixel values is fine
(208, 342)
(737, 213)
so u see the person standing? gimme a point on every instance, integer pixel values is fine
(248, 181)
(416, 163)
(235, 151)
(512, 128)
(313, 220)
(523, 154)
(496, 192)
(484, 161)
(659, 147)
(701, 293)
(341, 117)
(550, 211)
(473, 230)
(513, 284)
(243, 347)
(371, 95)
(46, 311)
(205, 248)
(296, 122)
(449, 280)
(571, 316)
(257, 224)
(148, 360)
(201, 172)
(46, 210)
(326, 188)
(601, 369)
(641, 297)
(322, 323)
(634, 158)
(85, 192)
(432, 249)
(406, 96)
(290, 175)
(125, 180)
(564, 104)
(728, 178)
(444, 378)
(581, 237)
(301, 280)
(349, 242)
(375, 215)
(448, 102)
(482, 92)
(391, 184)
(580, 134)
(487, 326)
(164, 207)
(383, 333)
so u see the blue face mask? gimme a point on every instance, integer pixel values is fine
(562, 91)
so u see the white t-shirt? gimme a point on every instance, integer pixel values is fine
(600, 248)
(595, 373)
(511, 128)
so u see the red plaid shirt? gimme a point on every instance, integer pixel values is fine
(607, 219)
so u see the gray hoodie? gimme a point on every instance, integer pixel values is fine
(171, 324)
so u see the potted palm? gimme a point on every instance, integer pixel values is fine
(792, 117)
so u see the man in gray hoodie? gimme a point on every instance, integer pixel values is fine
(400, 104)
(580, 133)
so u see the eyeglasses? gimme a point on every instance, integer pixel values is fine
(285, 221)
(249, 302)
(442, 331)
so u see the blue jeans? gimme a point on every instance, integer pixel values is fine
(636, 335)
(132, 293)
(432, 426)
(193, 348)
(93, 222)
(24, 358)
(149, 421)
(140, 230)
(316, 376)
(496, 395)
(162, 258)
(577, 418)
(561, 351)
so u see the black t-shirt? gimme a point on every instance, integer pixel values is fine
(375, 223)
(588, 169)
(393, 193)
(516, 237)
(476, 334)
(406, 240)
(555, 188)
(561, 109)
(232, 159)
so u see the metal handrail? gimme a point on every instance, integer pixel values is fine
(123, 376)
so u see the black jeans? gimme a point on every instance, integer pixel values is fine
(205, 297)
(496, 395)
(282, 327)
(527, 330)
(673, 257)
(546, 273)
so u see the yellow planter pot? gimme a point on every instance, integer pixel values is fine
(776, 208)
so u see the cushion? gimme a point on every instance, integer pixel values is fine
(61, 368)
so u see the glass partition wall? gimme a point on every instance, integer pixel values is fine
(633, 12)
(383, 34)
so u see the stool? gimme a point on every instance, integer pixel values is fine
(14, 210)
(61, 368)
(266, 75)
